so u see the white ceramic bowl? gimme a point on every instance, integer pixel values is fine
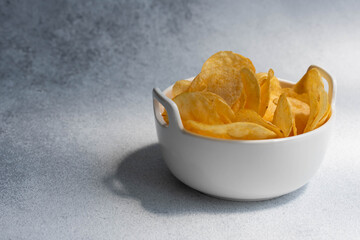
(241, 169)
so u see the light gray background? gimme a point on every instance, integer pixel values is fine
(78, 152)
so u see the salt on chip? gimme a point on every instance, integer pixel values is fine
(247, 115)
(237, 130)
(180, 87)
(225, 82)
(283, 117)
(205, 107)
(252, 89)
(227, 59)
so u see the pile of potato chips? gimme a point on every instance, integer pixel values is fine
(229, 100)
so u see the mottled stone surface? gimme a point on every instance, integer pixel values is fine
(78, 152)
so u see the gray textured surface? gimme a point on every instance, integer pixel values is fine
(78, 153)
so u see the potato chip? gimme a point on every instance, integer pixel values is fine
(311, 84)
(283, 117)
(301, 111)
(227, 59)
(240, 103)
(180, 87)
(275, 92)
(265, 93)
(326, 117)
(319, 111)
(247, 115)
(205, 107)
(252, 89)
(237, 130)
(217, 131)
(270, 74)
(261, 77)
(311, 81)
(225, 82)
(304, 97)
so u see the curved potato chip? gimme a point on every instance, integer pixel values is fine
(240, 103)
(205, 107)
(270, 74)
(312, 84)
(319, 111)
(252, 89)
(225, 82)
(301, 111)
(283, 117)
(227, 59)
(325, 118)
(217, 131)
(249, 131)
(275, 92)
(311, 81)
(265, 93)
(180, 87)
(261, 77)
(237, 130)
(247, 115)
(304, 97)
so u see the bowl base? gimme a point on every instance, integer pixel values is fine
(243, 199)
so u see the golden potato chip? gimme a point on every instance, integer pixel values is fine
(314, 109)
(320, 106)
(261, 77)
(311, 81)
(252, 89)
(247, 115)
(180, 87)
(225, 82)
(217, 131)
(227, 59)
(249, 131)
(240, 103)
(325, 118)
(265, 93)
(301, 111)
(283, 117)
(270, 74)
(237, 130)
(275, 92)
(205, 107)
(304, 97)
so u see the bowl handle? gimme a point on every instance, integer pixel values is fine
(170, 107)
(332, 84)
